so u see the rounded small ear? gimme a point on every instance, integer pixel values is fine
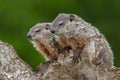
(47, 27)
(72, 17)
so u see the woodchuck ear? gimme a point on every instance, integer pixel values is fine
(72, 17)
(47, 27)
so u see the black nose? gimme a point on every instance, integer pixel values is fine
(53, 31)
(29, 37)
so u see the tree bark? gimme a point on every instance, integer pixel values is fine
(13, 68)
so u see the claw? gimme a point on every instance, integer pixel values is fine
(76, 56)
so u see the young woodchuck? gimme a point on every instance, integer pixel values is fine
(79, 35)
(35, 36)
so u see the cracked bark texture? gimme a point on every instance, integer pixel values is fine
(12, 67)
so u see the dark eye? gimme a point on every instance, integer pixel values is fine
(37, 30)
(47, 27)
(61, 23)
(72, 17)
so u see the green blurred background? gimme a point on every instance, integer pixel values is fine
(17, 16)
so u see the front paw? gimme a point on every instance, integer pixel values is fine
(76, 56)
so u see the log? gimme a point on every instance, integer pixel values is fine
(12, 67)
